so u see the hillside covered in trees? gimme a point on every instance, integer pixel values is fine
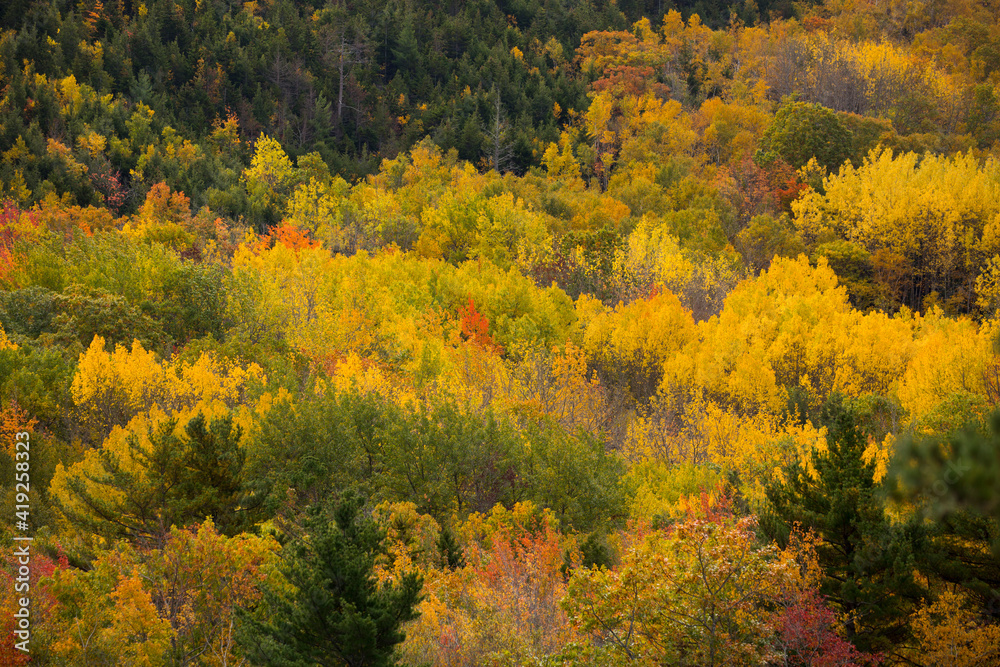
(500, 333)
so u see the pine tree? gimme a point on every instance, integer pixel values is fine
(141, 492)
(867, 560)
(953, 481)
(336, 613)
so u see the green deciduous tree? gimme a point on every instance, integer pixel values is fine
(801, 131)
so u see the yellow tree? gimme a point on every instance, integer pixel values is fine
(696, 594)
(160, 607)
(930, 222)
(105, 615)
(632, 342)
(268, 180)
(111, 387)
(949, 634)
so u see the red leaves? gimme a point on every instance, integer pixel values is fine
(808, 639)
(475, 328)
(756, 191)
(42, 600)
(107, 181)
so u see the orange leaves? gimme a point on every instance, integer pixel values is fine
(133, 606)
(290, 236)
(521, 575)
(164, 206)
(642, 47)
(15, 226)
(164, 217)
(54, 213)
(13, 420)
(475, 328)
(502, 607)
(622, 80)
(5, 342)
(91, 17)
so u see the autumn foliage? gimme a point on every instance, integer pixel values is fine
(577, 333)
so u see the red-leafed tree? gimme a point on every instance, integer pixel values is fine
(38, 591)
(806, 636)
(476, 328)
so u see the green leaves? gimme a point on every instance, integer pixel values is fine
(333, 611)
(960, 472)
(158, 481)
(867, 560)
(802, 131)
(444, 458)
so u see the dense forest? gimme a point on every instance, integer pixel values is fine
(526, 332)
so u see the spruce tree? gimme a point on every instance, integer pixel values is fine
(163, 481)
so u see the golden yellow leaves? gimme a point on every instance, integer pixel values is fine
(948, 633)
(771, 332)
(124, 396)
(540, 384)
(935, 214)
(92, 142)
(653, 258)
(949, 362)
(69, 94)
(727, 382)
(318, 207)
(733, 389)
(110, 388)
(702, 432)
(561, 165)
(270, 174)
(116, 617)
(988, 281)
(133, 607)
(6, 343)
(164, 217)
(643, 334)
(674, 592)
(638, 129)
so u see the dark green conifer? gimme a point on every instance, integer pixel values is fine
(335, 613)
(867, 560)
